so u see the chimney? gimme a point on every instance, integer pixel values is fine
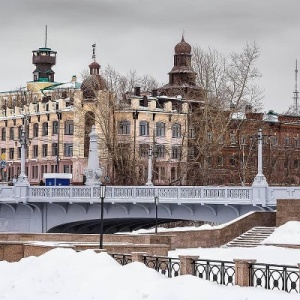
(154, 93)
(137, 91)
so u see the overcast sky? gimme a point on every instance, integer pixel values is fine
(141, 34)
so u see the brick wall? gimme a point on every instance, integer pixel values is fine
(219, 237)
(287, 210)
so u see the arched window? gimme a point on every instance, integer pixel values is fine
(124, 127)
(144, 128)
(12, 133)
(35, 130)
(45, 129)
(176, 130)
(55, 127)
(3, 134)
(19, 131)
(160, 129)
(69, 127)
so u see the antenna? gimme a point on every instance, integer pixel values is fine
(46, 36)
(296, 93)
(94, 52)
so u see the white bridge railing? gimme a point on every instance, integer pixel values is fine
(144, 194)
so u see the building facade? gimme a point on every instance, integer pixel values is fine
(167, 126)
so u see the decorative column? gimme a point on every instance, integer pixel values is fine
(260, 184)
(22, 179)
(93, 171)
(149, 181)
(260, 179)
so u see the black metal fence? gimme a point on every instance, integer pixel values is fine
(165, 265)
(122, 259)
(221, 272)
(275, 277)
(272, 277)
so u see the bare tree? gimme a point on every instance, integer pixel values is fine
(228, 91)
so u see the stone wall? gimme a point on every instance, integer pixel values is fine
(221, 236)
(287, 210)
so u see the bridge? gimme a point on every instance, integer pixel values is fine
(77, 208)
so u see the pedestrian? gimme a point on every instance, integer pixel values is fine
(42, 182)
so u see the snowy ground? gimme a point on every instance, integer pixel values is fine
(288, 233)
(63, 274)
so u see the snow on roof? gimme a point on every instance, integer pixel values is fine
(58, 175)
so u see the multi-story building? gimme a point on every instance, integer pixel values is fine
(185, 147)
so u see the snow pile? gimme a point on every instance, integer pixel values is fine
(289, 233)
(62, 274)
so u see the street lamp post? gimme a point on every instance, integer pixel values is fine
(102, 197)
(156, 200)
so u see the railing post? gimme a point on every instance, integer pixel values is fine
(138, 256)
(299, 278)
(242, 271)
(186, 264)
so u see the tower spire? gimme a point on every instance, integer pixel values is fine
(296, 93)
(94, 52)
(46, 35)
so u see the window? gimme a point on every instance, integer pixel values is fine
(144, 128)
(19, 131)
(54, 149)
(35, 130)
(221, 139)
(209, 137)
(68, 149)
(124, 127)
(35, 151)
(232, 161)
(191, 133)
(220, 161)
(45, 150)
(232, 138)
(176, 152)
(176, 130)
(191, 153)
(11, 153)
(274, 140)
(160, 151)
(45, 129)
(11, 133)
(287, 141)
(69, 127)
(3, 151)
(68, 168)
(296, 163)
(43, 169)
(296, 142)
(160, 129)
(19, 152)
(35, 172)
(144, 150)
(243, 140)
(55, 127)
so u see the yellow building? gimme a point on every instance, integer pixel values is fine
(58, 117)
